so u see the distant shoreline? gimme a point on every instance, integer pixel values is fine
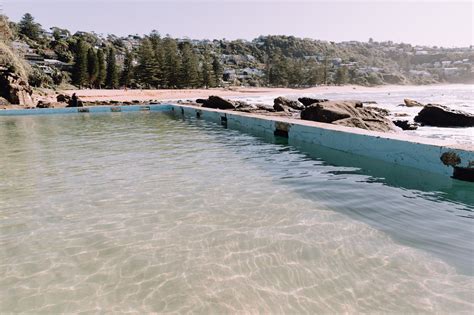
(130, 95)
(176, 94)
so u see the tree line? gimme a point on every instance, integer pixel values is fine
(283, 71)
(157, 63)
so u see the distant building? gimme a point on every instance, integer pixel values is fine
(21, 48)
(422, 74)
(451, 72)
(421, 52)
(229, 75)
(34, 59)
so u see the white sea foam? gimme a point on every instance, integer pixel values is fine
(459, 97)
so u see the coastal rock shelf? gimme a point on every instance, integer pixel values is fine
(415, 152)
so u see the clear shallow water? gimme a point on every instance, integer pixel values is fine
(143, 212)
(460, 97)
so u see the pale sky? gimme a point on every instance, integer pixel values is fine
(443, 23)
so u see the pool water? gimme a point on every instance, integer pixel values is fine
(146, 212)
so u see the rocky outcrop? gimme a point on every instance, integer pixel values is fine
(15, 89)
(63, 98)
(4, 101)
(282, 104)
(442, 116)
(306, 101)
(44, 104)
(411, 103)
(348, 113)
(405, 125)
(217, 102)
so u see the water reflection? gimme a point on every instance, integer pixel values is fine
(417, 208)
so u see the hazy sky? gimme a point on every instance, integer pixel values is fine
(443, 23)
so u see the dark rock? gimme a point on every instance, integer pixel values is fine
(450, 158)
(442, 116)
(218, 102)
(62, 98)
(348, 113)
(201, 100)
(306, 101)
(15, 89)
(411, 103)
(405, 124)
(44, 104)
(75, 101)
(4, 101)
(326, 112)
(241, 104)
(382, 111)
(281, 104)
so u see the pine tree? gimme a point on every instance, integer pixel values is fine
(92, 66)
(295, 73)
(127, 72)
(342, 75)
(190, 68)
(172, 63)
(207, 73)
(278, 73)
(102, 70)
(157, 46)
(315, 73)
(29, 27)
(147, 65)
(217, 68)
(111, 80)
(80, 74)
(160, 65)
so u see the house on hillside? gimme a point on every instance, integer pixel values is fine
(34, 59)
(21, 48)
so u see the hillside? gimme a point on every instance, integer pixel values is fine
(85, 59)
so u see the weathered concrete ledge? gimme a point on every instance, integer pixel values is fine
(86, 109)
(435, 156)
(421, 153)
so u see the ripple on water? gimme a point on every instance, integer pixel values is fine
(150, 214)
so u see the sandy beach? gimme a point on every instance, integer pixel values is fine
(129, 95)
(122, 95)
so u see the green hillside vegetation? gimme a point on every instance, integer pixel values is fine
(89, 60)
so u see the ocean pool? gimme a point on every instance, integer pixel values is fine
(147, 212)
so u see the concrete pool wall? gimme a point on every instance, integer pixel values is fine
(400, 149)
(420, 153)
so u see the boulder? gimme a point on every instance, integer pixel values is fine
(218, 102)
(4, 101)
(44, 104)
(282, 104)
(79, 104)
(405, 124)
(62, 98)
(411, 103)
(306, 101)
(348, 113)
(382, 111)
(442, 116)
(15, 89)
